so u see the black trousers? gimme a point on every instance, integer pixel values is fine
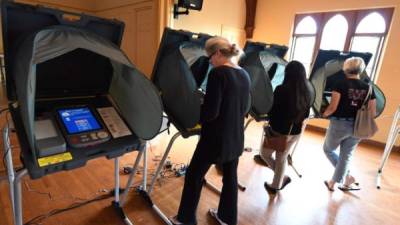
(194, 179)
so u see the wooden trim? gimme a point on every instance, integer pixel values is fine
(123, 5)
(251, 8)
(64, 7)
(315, 128)
(352, 24)
(304, 35)
(368, 142)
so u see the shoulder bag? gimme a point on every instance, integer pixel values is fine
(364, 124)
(274, 140)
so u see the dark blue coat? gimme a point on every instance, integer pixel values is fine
(222, 115)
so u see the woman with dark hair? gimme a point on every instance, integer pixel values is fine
(292, 101)
(222, 134)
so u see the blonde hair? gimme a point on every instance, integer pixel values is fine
(223, 45)
(353, 66)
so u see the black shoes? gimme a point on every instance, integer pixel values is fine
(272, 190)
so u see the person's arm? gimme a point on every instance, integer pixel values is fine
(333, 105)
(213, 98)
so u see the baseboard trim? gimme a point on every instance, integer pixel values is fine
(372, 143)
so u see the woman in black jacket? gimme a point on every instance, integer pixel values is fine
(292, 101)
(222, 135)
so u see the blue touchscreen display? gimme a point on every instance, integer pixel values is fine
(77, 120)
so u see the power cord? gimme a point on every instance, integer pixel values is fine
(37, 220)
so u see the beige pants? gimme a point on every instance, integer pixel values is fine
(278, 164)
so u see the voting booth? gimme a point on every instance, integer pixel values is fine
(266, 67)
(180, 68)
(327, 70)
(266, 70)
(73, 94)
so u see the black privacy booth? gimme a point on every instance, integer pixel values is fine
(52, 62)
(327, 70)
(179, 70)
(266, 67)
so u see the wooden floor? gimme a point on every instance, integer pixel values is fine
(305, 201)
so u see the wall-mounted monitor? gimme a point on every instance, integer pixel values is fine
(191, 4)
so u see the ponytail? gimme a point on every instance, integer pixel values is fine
(223, 45)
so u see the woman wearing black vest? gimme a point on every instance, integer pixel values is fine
(222, 135)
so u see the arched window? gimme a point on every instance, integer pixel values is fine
(303, 41)
(306, 26)
(372, 23)
(369, 37)
(334, 33)
(352, 30)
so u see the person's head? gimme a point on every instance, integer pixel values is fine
(294, 73)
(353, 66)
(295, 81)
(221, 51)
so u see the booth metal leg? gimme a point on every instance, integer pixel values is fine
(146, 193)
(120, 201)
(131, 177)
(290, 162)
(144, 185)
(392, 136)
(9, 165)
(290, 156)
(218, 190)
(18, 196)
(162, 162)
(116, 174)
(388, 150)
(212, 186)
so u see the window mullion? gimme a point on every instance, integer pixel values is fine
(351, 20)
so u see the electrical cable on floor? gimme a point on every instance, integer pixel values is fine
(82, 202)
(28, 187)
(38, 219)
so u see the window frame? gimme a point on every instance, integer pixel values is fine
(353, 17)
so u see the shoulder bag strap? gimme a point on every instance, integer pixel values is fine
(290, 130)
(368, 95)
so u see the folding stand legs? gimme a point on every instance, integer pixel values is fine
(290, 156)
(14, 179)
(9, 164)
(146, 193)
(119, 204)
(392, 137)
